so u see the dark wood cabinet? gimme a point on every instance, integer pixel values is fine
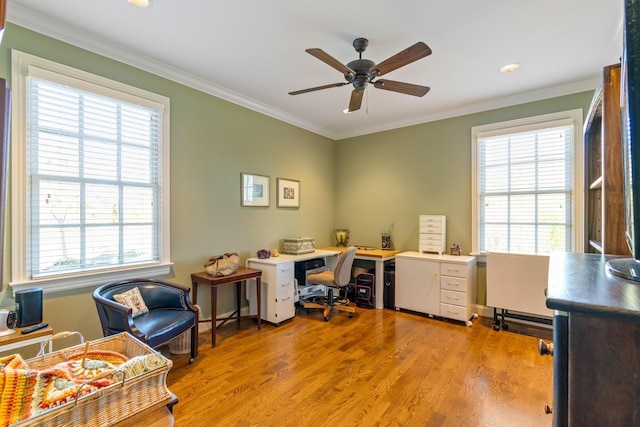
(597, 342)
(604, 197)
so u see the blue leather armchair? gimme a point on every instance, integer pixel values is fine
(170, 312)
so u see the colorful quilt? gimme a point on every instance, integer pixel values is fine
(26, 392)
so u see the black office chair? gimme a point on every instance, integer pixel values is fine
(337, 279)
(170, 312)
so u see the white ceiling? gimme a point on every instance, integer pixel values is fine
(252, 52)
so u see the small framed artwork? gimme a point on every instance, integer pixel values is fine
(288, 193)
(255, 189)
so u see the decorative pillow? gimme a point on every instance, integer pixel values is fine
(132, 298)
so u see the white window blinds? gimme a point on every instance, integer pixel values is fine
(90, 177)
(525, 189)
(93, 171)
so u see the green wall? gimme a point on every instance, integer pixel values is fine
(367, 184)
(385, 180)
(212, 143)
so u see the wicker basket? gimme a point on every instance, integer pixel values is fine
(111, 404)
(182, 343)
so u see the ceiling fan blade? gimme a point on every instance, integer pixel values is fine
(356, 100)
(400, 59)
(400, 87)
(330, 60)
(311, 89)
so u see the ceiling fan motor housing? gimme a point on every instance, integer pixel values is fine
(362, 76)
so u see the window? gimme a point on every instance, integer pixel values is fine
(527, 185)
(90, 176)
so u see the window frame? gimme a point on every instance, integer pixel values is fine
(20, 244)
(576, 116)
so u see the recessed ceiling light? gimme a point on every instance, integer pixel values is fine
(140, 3)
(509, 68)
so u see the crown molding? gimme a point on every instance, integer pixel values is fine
(492, 104)
(47, 26)
(27, 18)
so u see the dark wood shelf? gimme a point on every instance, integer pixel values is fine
(604, 198)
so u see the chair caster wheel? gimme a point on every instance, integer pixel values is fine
(326, 318)
(191, 361)
(350, 314)
(505, 327)
(496, 327)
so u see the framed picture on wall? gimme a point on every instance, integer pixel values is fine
(255, 189)
(288, 193)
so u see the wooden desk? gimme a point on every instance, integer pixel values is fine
(242, 274)
(17, 339)
(372, 253)
(378, 256)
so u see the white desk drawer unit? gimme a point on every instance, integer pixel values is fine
(423, 278)
(432, 233)
(455, 291)
(277, 293)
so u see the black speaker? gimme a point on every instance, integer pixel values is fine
(28, 307)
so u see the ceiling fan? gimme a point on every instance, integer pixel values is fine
(361, 72)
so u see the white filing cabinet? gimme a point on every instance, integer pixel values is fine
(432, 233)
(278, 290)
(438, 285)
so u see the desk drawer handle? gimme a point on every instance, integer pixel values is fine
(453, 284)
(285, 299)
(455, 270)
(452, 298)
(453, 312)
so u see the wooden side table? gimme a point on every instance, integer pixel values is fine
(241, 275)
(17, 339)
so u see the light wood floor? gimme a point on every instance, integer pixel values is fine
(379, 368)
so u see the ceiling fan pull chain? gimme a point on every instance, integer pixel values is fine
(367, 101)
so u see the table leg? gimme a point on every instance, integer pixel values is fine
(379, 286)
(238, 295)
(258, 286)
(194, 289)
(214, 315)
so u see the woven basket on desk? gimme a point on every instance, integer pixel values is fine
(111, 404)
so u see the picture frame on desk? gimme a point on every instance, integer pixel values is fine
(254, 190)
(288, 193)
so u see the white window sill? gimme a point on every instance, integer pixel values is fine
(65, 283)
(481, 257)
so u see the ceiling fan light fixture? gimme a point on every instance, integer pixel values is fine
(140, 3)
(509, 68)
